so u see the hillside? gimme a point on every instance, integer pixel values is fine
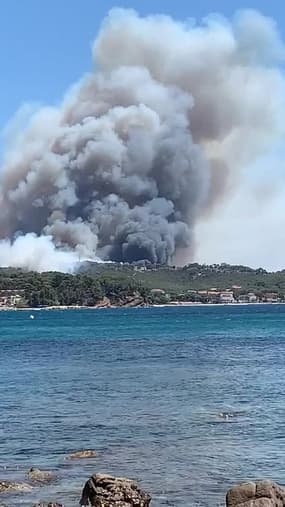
(193, 277)
(139, 284)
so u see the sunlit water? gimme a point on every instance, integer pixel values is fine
(144, 387)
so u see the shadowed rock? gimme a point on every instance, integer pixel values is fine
(226, 415)
(40, 476)
(256, 494)
(10, 486)
(50, 504)
(82, 454)
(107, 491)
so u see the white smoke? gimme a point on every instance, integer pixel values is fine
(144, 147)
(36, 253)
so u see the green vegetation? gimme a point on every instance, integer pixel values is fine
(137, 284)
(52, 288)
(178, 282)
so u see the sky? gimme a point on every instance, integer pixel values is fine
(46, 47)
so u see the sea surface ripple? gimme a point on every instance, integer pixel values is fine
(146, 389)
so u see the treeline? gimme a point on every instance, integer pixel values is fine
(146, 283)
(53, 288)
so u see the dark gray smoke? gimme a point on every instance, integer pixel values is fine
(141, 148)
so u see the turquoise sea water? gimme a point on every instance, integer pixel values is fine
(144, 387)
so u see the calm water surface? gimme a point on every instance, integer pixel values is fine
(144, 387)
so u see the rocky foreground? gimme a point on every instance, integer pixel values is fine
(256, 494)
(102, 490)
(107, 491)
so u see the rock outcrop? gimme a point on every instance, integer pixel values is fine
(132, 301)
(40, 476)
(50, 504)
(104, 303)
(82, 454)
(107, 491)
(256, 494)
(10, 486)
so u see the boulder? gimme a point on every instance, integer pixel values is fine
(104, 303)
(40, 476)
(50, 504)
(10, 486)
(256, 494)
(82, 454)
(132, 301)
(107, 491)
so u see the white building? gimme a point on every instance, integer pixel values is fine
(227, 297)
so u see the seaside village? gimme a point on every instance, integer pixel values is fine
(16, 298)
(227, 296)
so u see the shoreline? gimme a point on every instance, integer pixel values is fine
(183, 304)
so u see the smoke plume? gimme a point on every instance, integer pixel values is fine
(144, 146)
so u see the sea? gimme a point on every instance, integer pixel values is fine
(186, 400)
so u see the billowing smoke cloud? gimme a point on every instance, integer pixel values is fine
(148, 143)
(35, 253)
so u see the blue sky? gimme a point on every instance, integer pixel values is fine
(45, 44)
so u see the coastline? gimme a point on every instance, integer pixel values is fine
(183, 304)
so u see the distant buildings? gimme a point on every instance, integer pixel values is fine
(215, 296)
(10, 298)
(157, 291)
(270, 297)
(227, 297)
(248, 298)
(252, 298)
(243, 298)
(16, 298)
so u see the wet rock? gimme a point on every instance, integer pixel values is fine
(256, 494)
(50, 504)
(10, 486)
(226, 415)
(107, 491)
(82, 454)
(40, 476)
